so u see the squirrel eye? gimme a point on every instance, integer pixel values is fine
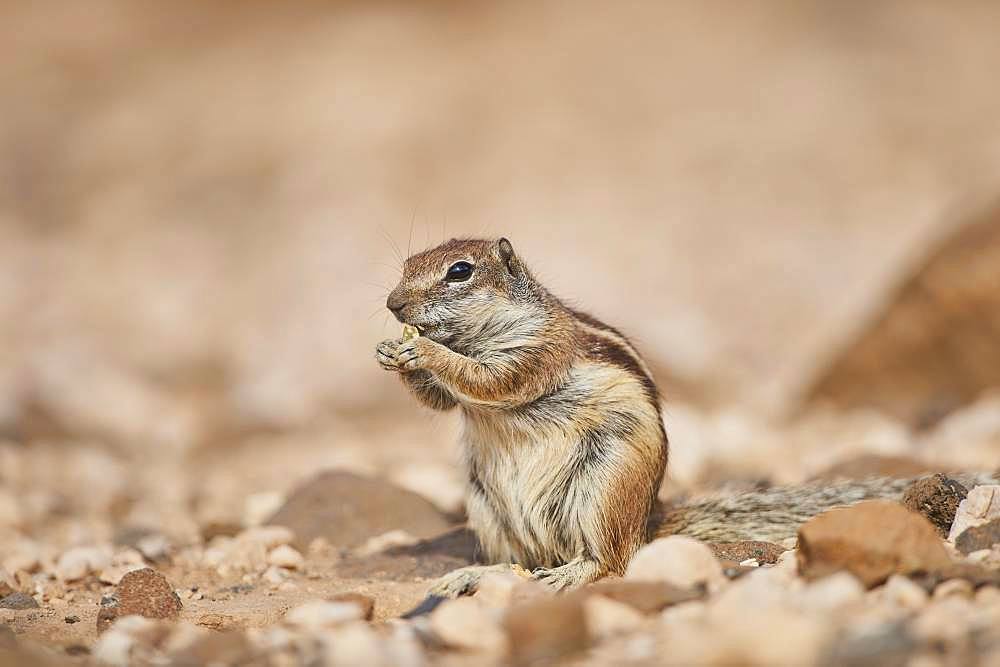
(458, 272)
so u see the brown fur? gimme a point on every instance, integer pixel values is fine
(564, 443)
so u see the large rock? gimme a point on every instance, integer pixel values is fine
(346, 510)
(932, 347)
(144, 593)
(872, 540)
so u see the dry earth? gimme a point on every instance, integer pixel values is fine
(790, 206)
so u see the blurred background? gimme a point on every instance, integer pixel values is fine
(792, 207)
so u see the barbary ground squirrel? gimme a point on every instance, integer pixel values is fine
(563, 441)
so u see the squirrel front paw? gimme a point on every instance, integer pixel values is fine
(414, 354)
(386, 355)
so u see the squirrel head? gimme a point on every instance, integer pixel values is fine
(465, 288)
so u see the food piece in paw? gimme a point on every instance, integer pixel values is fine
(410, 332)
(520, 571)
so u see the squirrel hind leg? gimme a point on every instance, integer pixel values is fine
(572, 575)
(465, 580)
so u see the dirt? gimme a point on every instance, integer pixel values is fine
(203, 207)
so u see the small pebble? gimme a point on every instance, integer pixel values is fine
(79, 562)
(285, 556)
(959, 587)
(904, 593)
(18, 600)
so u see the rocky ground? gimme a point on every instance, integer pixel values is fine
(332, 568)
(792, 208)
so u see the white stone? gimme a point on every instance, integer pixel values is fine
(388, 540)
(22, 555)
(154, 547)
(7, 579)
(113, 574)
(946, 619)
(832, 592)
(608, 618)
(285, 556)
(123, 562)
(982, 505)
(353, 644)
(760, 590)
(269, 536)
(79, 562)
(403, 647)
(320, 615)
(260, 507)
(677, 560)
(249, 551)
(275, 575)
(465, 623)
(183, 636)
(117, 645)
(902, 592)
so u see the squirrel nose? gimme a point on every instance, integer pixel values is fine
(395, 303)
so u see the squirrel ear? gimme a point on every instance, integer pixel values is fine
(508, 257)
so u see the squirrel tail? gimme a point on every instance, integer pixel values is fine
(775, 514)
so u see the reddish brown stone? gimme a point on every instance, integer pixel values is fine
(762, 552)
(871, 540)
(143, 592)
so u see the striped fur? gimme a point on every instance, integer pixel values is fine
(563, 440)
